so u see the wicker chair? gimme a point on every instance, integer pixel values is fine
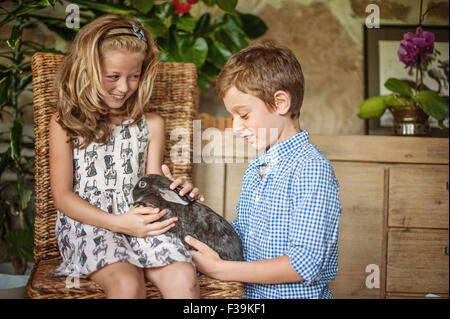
(174, 98)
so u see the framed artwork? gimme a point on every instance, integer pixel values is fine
(381, 62)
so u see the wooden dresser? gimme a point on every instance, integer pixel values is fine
(393, 232)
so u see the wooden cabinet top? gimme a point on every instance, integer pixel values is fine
(354, 148)
(387, 149)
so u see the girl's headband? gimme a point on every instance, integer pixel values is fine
(137, 32)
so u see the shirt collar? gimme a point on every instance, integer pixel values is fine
(274, 154)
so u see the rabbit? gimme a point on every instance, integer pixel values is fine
(194, 218)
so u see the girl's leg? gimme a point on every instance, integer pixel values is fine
(121, 281)
(175, 281)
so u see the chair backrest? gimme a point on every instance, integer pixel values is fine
(174, 97)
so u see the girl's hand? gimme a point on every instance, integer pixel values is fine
(142, 222)
(206, 259)
(187, 187)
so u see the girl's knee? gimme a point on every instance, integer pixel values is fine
(177, 280)
(122, 283)
(185, 277)
(126, 286)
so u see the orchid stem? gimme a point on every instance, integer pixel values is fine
(417, 77)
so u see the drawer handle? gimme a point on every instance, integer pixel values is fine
(446, 250)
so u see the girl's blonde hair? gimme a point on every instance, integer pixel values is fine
(81, 110)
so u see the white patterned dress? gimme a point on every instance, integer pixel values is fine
(104, 175)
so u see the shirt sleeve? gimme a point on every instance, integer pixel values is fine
(313, 232)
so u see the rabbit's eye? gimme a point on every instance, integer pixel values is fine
(142, 184)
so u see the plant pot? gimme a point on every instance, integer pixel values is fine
(13, 286)
(410, 120)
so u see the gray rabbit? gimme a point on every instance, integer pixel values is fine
(194, 219)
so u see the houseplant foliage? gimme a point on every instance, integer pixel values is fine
(205, 38)
(16, 215)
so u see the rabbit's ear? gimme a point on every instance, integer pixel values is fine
(170, 196)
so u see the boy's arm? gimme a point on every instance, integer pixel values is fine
(270, 271)
(312, 231)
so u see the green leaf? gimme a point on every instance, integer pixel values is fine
(156, 27)
(433, 104)
(14, 38)
(232, 35)
(253, 26)
(393, 101)
(372, 107)
(185, 22)
(58, 26)
(107, 8)
(25, 81)
(4, 88)
(398, 86)
(218, 54)
(143, 6)
(24, 193)
(199, 52)
(203, 82)
(15, 133)
(162, 11)
(209, 70)
(5, 159)
(202, 27)
(227, 5)
(180, 45)
(28, 8)
(20, 243)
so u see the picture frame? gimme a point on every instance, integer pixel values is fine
(374, 38)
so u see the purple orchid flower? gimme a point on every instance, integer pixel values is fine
(414, 46)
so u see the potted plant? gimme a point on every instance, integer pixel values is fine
(410, 106)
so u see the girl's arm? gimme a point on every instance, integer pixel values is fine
(269, 271)
(136, 222)
(157, 142)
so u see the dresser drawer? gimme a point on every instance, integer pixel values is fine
(418, 196)
(417, 261)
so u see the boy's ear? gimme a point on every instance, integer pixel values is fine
(282, 101)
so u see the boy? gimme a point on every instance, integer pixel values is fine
(289, 208)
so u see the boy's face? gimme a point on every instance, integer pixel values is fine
(120, 75)
(252, 119)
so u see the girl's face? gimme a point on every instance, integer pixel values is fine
(121, 71)
(252, 119)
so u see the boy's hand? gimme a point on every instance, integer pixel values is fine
(206, 259)
(186, 186)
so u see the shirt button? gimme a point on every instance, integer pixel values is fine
(250, 233)
(256, 199)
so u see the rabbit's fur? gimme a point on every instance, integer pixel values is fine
(194, 219)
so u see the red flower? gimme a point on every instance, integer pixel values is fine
(181, 7)
(192, 1)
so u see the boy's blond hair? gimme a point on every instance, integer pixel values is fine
(262, 69)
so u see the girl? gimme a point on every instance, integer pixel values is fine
(101, 143)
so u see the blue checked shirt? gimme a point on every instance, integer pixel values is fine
(293, 210)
